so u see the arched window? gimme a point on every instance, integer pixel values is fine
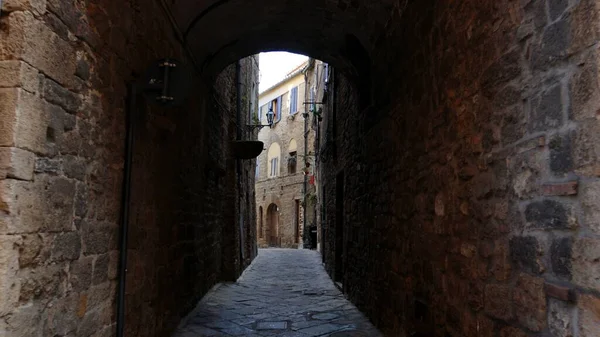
(293, 158)
(273, 159)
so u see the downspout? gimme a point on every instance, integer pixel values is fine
(238, 121)
(125, 202)
(305, 234)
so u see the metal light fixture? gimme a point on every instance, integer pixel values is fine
(270, 116)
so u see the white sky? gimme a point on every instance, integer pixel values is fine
(275, 65)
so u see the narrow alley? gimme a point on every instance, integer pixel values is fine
(286, 293)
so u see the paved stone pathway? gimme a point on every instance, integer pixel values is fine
(285, 293)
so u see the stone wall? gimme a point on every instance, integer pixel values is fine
(64, 70)
(470, 184)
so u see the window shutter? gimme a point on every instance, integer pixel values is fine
(279, 108)
(294, 101)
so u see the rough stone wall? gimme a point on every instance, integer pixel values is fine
(471, 184)
(287, 187)
(64, 69)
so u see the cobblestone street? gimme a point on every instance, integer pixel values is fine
(286, 293)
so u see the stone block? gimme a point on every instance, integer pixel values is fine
(66, 246)
(96, 237)
(22, 121)
(16, 163)
(101, 269)
(584, 90)
(81, 200)
(560, 316)
(74, 167)
(560, 257)
(589, 316)
(30, 249)
(47, 165)
(498, 301)
(582, 33)
(549, 214)
(530, 302)
(57, 94)
(590, 204)
(68, 12)
(547, 110)
(15, 74)
(58, 203)
(83, 69)
(585, 266)
(25, 320)
(101, 294)
(556, 8)
(561, 157)
(34, 42)
(43, 283)
(61, 318)
(553, 46)
(526, 253)
(56, 25)
(35, 6)
(9, 98)
(80, 274)
(9, 267)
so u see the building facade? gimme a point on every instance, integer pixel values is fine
(285, 181)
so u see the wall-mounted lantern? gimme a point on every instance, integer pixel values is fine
(270, 116)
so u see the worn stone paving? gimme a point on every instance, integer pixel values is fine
(286, 293)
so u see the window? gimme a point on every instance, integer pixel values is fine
(273, 156)
(257, 169)
(274, 167)
(276, 106)
(292, 161)
(294, 100)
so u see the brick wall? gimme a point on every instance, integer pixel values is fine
(470, 184)
(64, 69)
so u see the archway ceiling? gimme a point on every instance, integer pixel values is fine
(219, 32)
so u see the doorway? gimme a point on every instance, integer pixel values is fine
(260, 223)
(272, 232)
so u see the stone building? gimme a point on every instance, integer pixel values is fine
(285, 183)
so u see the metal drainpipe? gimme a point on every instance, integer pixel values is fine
(125, 203)
(238, 121)
(305, 234)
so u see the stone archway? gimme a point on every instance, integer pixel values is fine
(272, 230)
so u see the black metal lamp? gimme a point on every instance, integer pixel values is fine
(270, 116)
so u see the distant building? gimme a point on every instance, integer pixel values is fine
(286, 168)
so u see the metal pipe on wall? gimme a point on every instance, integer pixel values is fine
(125, 204)
(238, 121)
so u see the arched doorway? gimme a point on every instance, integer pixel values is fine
(272, 232)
